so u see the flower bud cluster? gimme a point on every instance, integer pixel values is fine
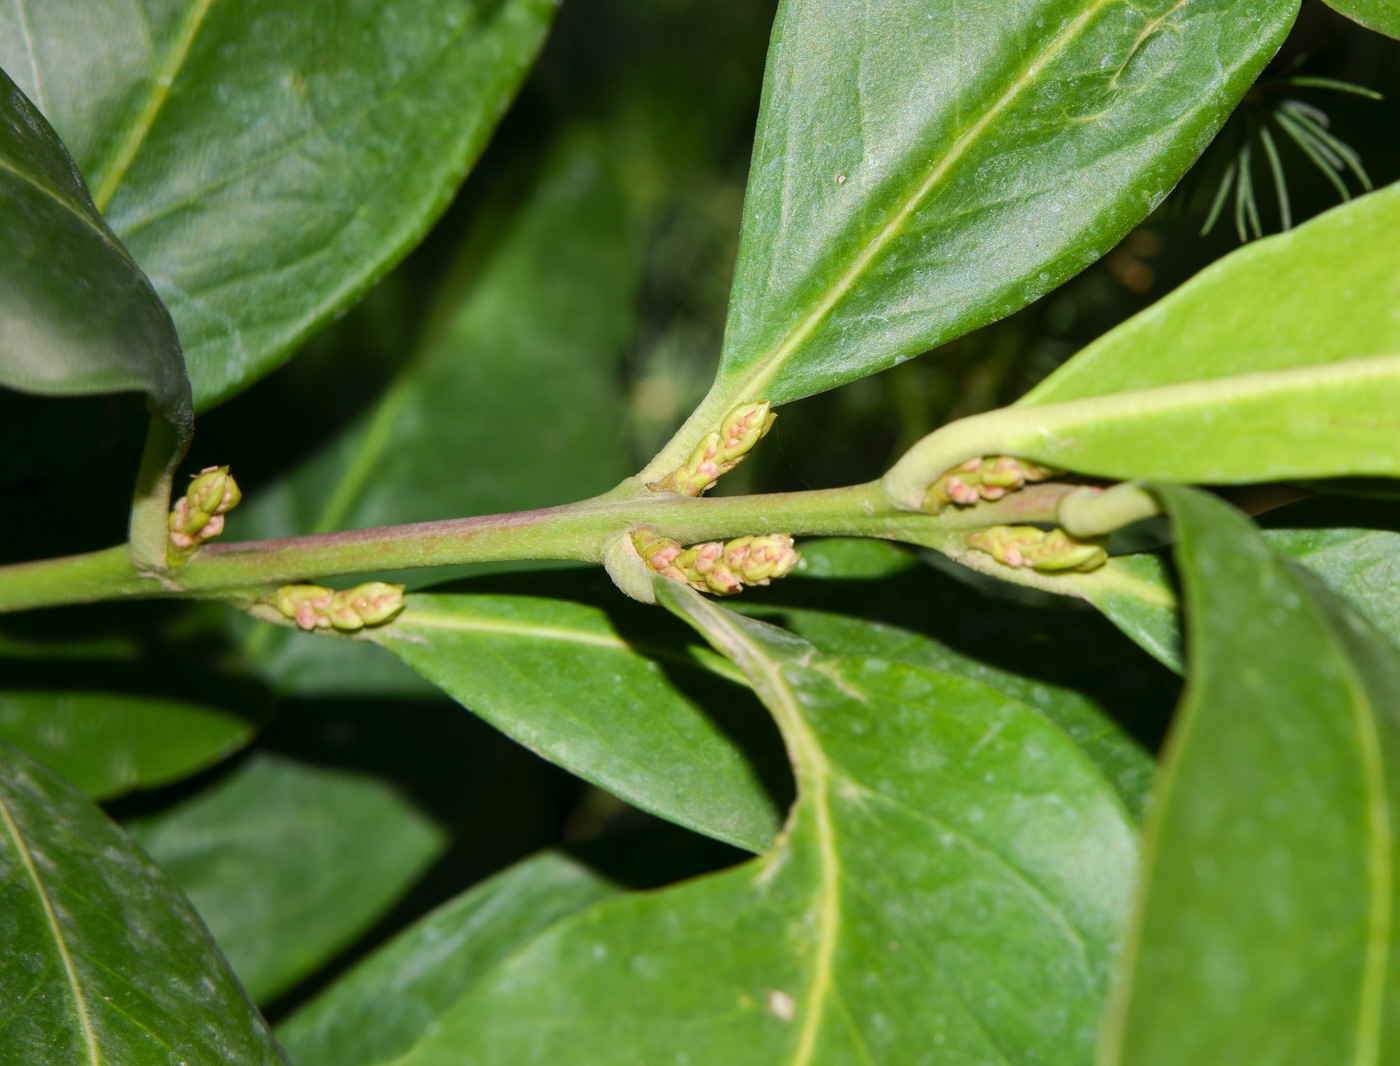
(1050, 551)
(720, 451)
(723, 568)
(199, 514)
(315, 607)
(983, 479)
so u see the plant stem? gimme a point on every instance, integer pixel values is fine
(576, 531)
(150, 502)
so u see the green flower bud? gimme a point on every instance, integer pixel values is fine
(213, 491)
(656, 551)
(722, 581)
(744, 427)
(375, 601)
(305, 604)
(341, 614)
(1053, 551)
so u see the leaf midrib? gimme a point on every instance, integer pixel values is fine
(160, 91)
(768, 365)
(79, 1000)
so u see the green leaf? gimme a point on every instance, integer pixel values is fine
(1278, 361)
(104, 961)
(408, 984)
(1265, 929)
(77, 315)
(1135, 593)
(266, 162)
(922, 169)
(1383, 16)
(939, 822)
(610, 696)
(511, 401)
(1123, 762)
(287, 864)
(111, 743)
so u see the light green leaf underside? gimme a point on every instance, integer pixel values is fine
(1383, 16)
(923, 168)
(108, 744)
(927, 800)
(265, 162)
(1322, 293)
(287, 863)
(77, 315)
(1123, 762)
(104, 961)
(408, 984)
(1309, 421)
(639, 716)
(1266, 930)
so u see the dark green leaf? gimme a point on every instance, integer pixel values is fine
(1265, 931)
(265, 161)
(939, 822)
(104, 961)
(109, 743)
(382, 1007)
(1383, 16)
(286, 864)
(77, 315)
(924, 168)
(634, 714)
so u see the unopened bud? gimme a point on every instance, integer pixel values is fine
(304, 604)
(376, 601)
(769, 557)
(722, 581)
(656, 551)
(214, 491)
(980, 479)
(1053, 551)
(744, 427)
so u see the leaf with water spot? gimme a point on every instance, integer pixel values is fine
(265, 162)
(947, 890)
(611, 696)
(104, 960)
(1266, 927)
(923, 168)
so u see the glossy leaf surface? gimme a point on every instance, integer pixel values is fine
(1123, 762)
(1281, 360)
(108, 744)
(77, 315)
(408, 984)
(1265, 931)
(1383, 16)
(264, 161)
(939, 821)
(923, 168)
(511, 401)
(286, 863)
(632, 712)
(1318, 294)
(104, 961)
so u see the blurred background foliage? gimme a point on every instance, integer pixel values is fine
(553, 329)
